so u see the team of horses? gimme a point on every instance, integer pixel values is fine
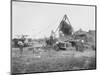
(21, 44)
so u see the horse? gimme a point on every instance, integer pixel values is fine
(77, 44)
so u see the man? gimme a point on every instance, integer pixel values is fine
(21, 45)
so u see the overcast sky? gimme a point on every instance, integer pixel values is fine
(38, 19)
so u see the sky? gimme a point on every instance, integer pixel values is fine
(38, 19)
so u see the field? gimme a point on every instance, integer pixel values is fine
(45, 60)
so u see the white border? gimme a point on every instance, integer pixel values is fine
(5, 37)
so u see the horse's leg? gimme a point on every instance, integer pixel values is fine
(33, 50)
(21, 50)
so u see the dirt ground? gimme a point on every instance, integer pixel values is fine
(51, 60)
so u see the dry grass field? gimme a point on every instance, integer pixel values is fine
(51, 60)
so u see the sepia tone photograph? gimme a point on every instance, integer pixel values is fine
(52, 37)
